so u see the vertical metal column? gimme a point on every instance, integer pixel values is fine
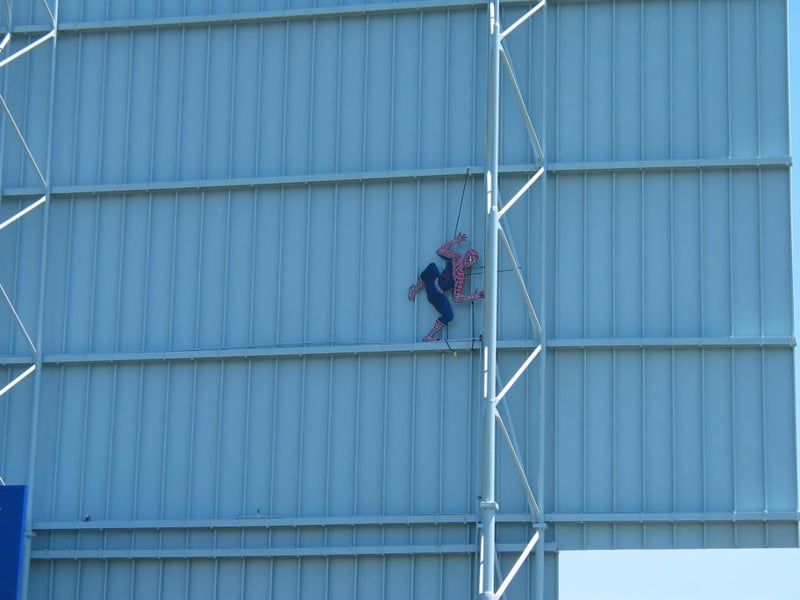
(489, 506)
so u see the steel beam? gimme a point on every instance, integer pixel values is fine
(240, 18)
(269, 522)
(308, 350)
(278, 181)
(269, 552)
(671, 164)
(488, 501)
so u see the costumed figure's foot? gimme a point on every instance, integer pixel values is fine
(431, 338)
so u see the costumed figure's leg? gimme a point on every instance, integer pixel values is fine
(428, 276)
(412, 291)
(442, 304)
(432, 334)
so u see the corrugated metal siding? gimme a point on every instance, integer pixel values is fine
(330, 263)
(289, 437)
(670, 290)
(323, 578)
(21, 244)
(671, 79)
(283, 98)
(233, 401)
(682, 253)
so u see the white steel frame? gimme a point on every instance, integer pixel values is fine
(489, 572)
(4, 62)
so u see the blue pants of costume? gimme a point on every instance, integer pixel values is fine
(435, 297)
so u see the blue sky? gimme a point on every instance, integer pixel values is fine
(680, 574)
(699, 574)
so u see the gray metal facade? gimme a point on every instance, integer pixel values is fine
(231, 397)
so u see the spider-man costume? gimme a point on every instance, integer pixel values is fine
(453, 278)
(436, 284)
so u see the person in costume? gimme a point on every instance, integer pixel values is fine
(437, 283)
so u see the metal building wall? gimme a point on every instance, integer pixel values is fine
(670, 276)
(233, 400)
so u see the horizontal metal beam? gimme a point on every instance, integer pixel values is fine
(270, 552)
(475, 171)
(674, 517)
(671, 343)
(248, 183)
(259, 522)
(670, 164)
(522, 519)
(262, 552)
(229, 19)
(356, 349)
(373, 550)
(280, 351)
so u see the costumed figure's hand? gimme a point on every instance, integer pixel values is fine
(479, 295)
(461, 237)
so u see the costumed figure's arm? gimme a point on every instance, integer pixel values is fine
(444, 250)
(458, 295)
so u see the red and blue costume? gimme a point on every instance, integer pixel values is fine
(436, 283)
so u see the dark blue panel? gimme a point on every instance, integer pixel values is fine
(13, 502)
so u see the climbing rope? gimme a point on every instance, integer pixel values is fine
(455, 232)
(461, 204)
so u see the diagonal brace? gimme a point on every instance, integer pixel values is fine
(520, 469)
(49, 12)
(17, 319)
(522, 557)
(22, 141)
(537, 146)
(522, 19)
(29, 47)
(524, 189)
(17, 379)
(23, 212)
(519, 372)
(7, 36)
(521, 281)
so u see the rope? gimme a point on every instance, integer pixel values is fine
(455, 232)
(461, 204)
(446, 336)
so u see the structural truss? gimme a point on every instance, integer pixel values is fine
(7, 58)
(42, 193)
(492, 582)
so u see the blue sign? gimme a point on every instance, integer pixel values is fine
(13, 500)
